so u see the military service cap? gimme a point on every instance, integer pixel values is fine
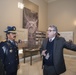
(10, 29)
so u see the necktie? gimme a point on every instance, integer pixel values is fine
(50, 40)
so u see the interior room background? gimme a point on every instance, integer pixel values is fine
(30, 22)
(61, 13)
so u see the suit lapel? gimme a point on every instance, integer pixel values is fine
(45, 44)
(55, 44)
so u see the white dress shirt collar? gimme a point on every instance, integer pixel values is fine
(51, 39)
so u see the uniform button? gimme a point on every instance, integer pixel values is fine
(16, 58)
(16, 55)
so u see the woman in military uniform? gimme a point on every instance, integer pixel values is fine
(9, 52)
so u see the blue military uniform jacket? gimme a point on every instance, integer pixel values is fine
(9, 56)
(2, 72)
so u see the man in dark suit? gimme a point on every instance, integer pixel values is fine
(9, 52)
(52, 51)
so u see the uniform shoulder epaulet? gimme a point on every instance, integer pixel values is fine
(3, 41)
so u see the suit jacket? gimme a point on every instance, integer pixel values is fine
(58, 58)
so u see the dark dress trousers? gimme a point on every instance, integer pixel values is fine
(58, 58)
(9, 57)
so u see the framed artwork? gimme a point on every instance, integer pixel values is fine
(30, 22)
(68, 35)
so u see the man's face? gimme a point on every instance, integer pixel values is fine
(11, 36)
(51, 32)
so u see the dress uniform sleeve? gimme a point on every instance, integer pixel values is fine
(2, 71)
(2, 54)
(17, 57)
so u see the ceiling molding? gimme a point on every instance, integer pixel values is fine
(48, 1)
